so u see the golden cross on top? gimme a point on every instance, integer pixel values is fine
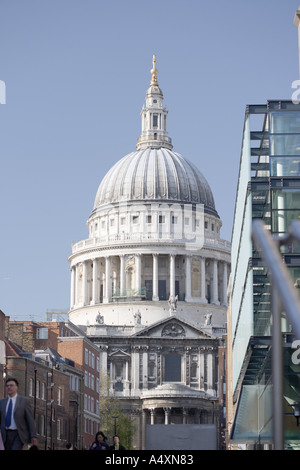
(154, 72)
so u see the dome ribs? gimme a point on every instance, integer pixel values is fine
(155, 174)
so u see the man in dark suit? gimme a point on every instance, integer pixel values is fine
(16, 419)
(117, 445)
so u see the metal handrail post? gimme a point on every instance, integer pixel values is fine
(284, 297)
(277, 371)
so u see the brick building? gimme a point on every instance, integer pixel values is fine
(49, 393)
(63, 345)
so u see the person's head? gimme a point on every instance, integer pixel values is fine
(116, 439)
(100, 436)
(11, 386)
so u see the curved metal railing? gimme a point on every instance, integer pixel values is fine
(284, 297)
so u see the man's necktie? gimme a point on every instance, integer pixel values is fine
(8, 414)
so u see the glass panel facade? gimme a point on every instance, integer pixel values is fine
(274, 198)
(286, 198)
(284, 132)
(281, 219)
(285, 144)
(285, 166)
(284, 122)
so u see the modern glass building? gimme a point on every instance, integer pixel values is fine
(268, 189)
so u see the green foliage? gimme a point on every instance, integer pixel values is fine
(114, 420)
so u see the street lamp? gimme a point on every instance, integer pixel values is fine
(115, 418)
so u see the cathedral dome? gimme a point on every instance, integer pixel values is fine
(155, 175)
(154, 172)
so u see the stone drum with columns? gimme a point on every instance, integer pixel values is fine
(149, 284)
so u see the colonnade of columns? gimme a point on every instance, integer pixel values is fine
(199, 415)
(98, 280)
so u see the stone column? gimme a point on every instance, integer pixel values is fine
(187, 367)
(215, 293)
(111, 382)
(107, 294)
(185, 413)
(72, 298)
(135, 356)
(201, 369)
(84, 282)
(122, 275)
(203, 281)
(76, 285)
(225, 284)
(95, 297)
(138, 260)
(103, 360)
(155, 278)
(126, 380)
(145, 367)
(172, 275)
(188, 297)
(167, 411)
(152, 416)
(210, 371)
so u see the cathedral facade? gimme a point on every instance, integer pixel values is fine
(149, 284)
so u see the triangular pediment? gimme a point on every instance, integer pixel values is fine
(173, 327)
(119, 353)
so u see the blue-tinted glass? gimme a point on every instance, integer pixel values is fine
(281, 219)
(285, 144)
(286, 199)
(285, 166)
(285, 122)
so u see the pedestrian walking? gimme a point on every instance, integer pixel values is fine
(16, 419)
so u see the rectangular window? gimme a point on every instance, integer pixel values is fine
(161, 219)
(155, 120)
(172, 368)
(59, 396)
(31, 388)
(149, 219)
(59, 429)
(287, 122)
(42, 333)
(43, 392)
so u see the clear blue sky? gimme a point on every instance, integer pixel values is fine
(76, 74)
